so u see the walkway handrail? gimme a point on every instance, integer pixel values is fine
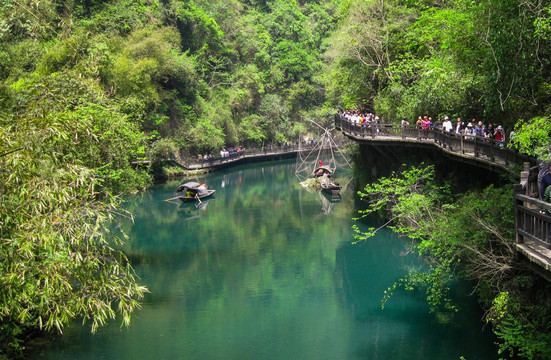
(192, 163)
(482, 148)
(246, 152)
(530, 221)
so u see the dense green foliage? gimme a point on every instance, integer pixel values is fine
(206, 74)
(533, 138)
(472, 237)
(486, 60)
(209, 74)
(58, 152)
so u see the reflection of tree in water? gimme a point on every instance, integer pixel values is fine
(405, 328)
(256, 246)
(251, 215)
(263, 250)
(363, 293)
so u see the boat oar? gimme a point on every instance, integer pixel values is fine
(197, 197)
(174, 198)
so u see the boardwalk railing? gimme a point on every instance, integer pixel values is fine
(216, 160)
(532, 220)
(532, 216)
(487, 149)
(187, 162)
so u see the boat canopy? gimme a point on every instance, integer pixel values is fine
(322, 170)
(202, 190)
(325, 169)
(193, 186)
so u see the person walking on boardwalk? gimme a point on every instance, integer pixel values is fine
(447, 125)
(490, 132)
(469, 130)
(479, 129)
(500, 136)
(459, 126)
(425, 124)
(438, 124)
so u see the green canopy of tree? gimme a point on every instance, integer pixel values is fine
(63, 151)
(485, 60)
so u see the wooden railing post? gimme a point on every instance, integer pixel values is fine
(518, 189)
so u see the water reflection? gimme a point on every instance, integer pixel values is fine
(189, 211)
(262, 271)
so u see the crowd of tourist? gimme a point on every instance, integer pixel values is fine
(229, 152)
(365, 120)
(359, 117)
(470, 129)
(225, 153)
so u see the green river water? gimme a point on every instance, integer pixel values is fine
(266, 270)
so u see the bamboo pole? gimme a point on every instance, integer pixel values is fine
(174, 198)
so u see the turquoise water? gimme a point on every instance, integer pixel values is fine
(266, 270)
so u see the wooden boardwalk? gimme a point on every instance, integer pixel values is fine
(485, 152)
(236, 158)
(532, 228)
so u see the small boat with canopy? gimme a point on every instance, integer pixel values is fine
(193, 191)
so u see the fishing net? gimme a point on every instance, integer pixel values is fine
(319, 149)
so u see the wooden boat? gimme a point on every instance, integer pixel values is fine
(194, 191)
(323, 170)
(329, 187)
